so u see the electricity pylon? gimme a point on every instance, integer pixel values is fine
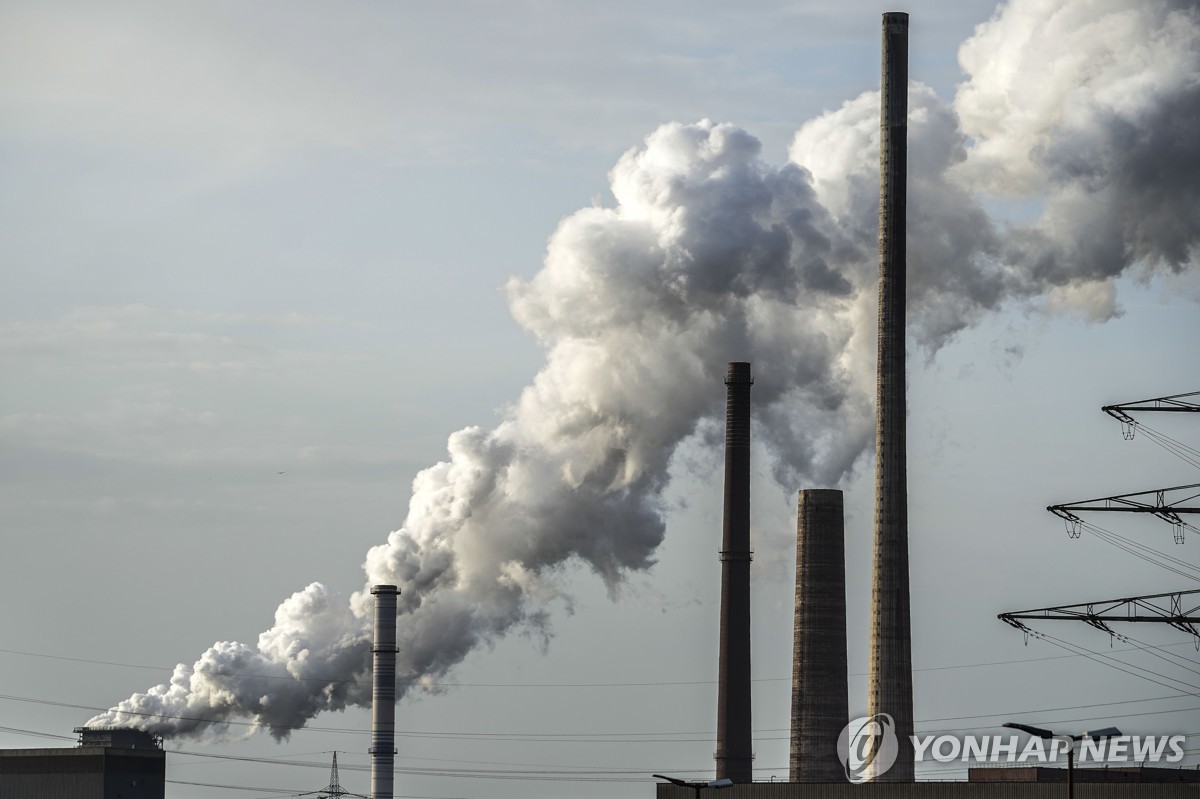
(1173, 609)
(1180, 609)
(1167, 504)
(1176, 403)
(334, 789)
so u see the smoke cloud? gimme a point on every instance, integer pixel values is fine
(1081, 112)
(1089, 108)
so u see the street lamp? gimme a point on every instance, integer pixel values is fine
(1107, 732)
(724, 782)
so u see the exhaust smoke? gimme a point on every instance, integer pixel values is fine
(707, 254)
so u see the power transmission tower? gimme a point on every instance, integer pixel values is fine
(1167, 504)
(1176, 403)
(334, 789)
(1180, 609)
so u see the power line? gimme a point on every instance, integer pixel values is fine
(1188, 454)
(1102, 659)
(625, 737)
(1143, 551)
(552, 774)
(655, 684)
(36, 734)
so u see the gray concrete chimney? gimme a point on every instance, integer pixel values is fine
(820, 707)
(890, 682)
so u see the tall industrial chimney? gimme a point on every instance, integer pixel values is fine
(890, 688)
(820, 707)
(383, 692)
(735, 751)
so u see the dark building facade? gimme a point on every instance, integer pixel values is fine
(991, 789)
(109, 764)
(1130, 774)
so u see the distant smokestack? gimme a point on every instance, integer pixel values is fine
(820, 708)
(383, 692)
(735, 750)
(890, 689)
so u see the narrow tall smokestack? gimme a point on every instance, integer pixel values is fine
(383, 692)
(890, 689)
(820, 707)
(735, 751)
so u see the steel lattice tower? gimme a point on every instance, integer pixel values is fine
(335, 790)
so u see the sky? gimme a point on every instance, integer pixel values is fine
(448, 291)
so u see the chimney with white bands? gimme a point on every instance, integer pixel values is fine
(383, 692)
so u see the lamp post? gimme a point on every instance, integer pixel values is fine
(1107, 732)
(696, 786)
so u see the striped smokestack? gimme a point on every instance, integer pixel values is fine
(820, 708)
(890, 685)
(735, 751)
(383, 692)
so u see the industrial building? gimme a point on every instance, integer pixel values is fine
(990, 789)
(1122, 774)
(107, 764)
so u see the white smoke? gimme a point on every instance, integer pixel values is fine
(709, 255)
(1092, 108)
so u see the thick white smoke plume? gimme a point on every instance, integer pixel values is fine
(1083, 111)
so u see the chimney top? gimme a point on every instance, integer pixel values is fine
(118, 738)
(738, 372)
